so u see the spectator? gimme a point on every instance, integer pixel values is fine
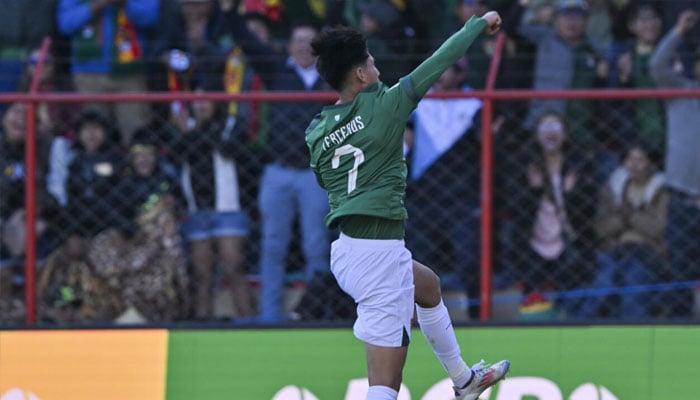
(691, 39)
(55, 119)
(12, 181)
(599, 24)
(60, 156)
(131, 259)
(23, 25)
(629, 68)
(271, 9)
(89, 209)
(428, 21)
(479, 53)
(156, 69)
(187, 50)
(630, 223)
(69, 290)
(516, 70)
(12, 307)
(382, 23)
(92, 176)
(187, 46)
(109, 52)
(444, 208)
(239, 77)
(208, 147)
(289, 11)
(13, 234)
(682, 167)
(287, 179)
(142, 259)
(565, 59)
(553, 235)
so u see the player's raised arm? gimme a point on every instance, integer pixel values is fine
(423, 77)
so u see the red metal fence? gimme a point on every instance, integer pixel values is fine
(487, 96)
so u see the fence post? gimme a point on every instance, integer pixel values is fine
(30, 191)
(486, 258)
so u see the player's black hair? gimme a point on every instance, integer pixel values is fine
(339, 50)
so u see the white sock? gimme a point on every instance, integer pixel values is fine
(437, 328)
(381, 393)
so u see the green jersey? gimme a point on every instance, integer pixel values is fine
(357, 147)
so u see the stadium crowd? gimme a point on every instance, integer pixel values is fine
(154, 212)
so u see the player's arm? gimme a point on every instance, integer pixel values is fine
(317, 173)
(310, 143)
(424, 76)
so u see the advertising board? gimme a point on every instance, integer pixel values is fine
(548, 363)
(83, 365)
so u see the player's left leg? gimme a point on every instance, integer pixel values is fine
(435, 323)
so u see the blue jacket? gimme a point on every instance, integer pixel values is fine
(75, 20)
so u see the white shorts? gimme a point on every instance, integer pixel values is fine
(378, 274)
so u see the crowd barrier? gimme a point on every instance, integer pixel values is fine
(477, 252)
(548, 363)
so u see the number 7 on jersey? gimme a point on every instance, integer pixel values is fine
(359, 159)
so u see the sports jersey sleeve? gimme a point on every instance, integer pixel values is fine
(310, 144)
(400, 99)
(417, 83)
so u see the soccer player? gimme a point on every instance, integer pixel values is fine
(356, 148)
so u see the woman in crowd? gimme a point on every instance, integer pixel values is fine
(553, 238)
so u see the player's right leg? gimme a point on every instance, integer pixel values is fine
(378, 274)
(384, 371)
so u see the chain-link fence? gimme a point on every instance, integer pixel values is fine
(179, 207)
(588, 212)
(171, 226)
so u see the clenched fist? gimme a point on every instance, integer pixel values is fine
(494, 22)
